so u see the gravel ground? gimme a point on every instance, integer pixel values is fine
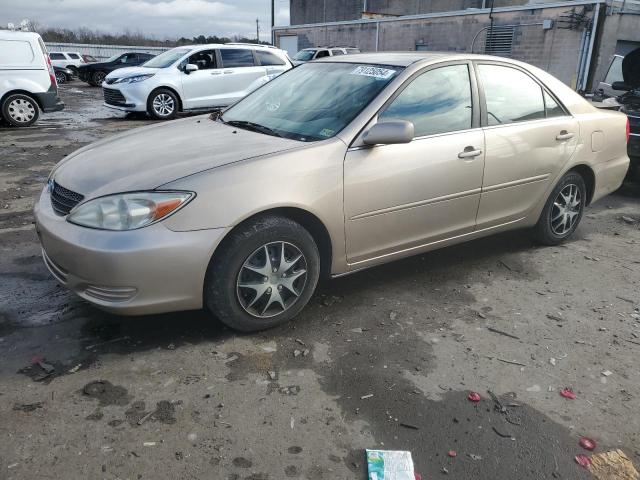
(381, 359)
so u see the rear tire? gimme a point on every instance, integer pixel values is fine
(162, 104)
(20, 110)
(249, 291)
(61, 78)
(563, 211)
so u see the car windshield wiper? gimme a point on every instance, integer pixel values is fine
(256, 127)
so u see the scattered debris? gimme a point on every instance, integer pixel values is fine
(613, 465)
(500, 332)
(357, 330)
(409, 426)
(297, 353)
(629, 220)
(474, 397)
(27, 407)
(555, 318)
(452, 453)
(389, 465)
(475, 457)
(149, 444)
(583, 460)
(512, 362)
(607, 373)
(534, 388)
(393, 315)
(568, 393)
(301, 342)
(587, 443)
(552, 361)
(503, 435)
(364, 397)
(594, 259)
(113, 340)
(272, 375)
(75, 369)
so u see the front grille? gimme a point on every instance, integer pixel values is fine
(63, 200)
(113, 97)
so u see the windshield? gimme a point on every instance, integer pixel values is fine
(304, 55)
(311, 102)
(166, 59)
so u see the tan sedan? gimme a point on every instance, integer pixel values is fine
(335, 166)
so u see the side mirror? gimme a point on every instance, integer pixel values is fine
(190, 67)
(620, 86)
(388, 133)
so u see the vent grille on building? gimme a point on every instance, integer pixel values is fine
(499, 41)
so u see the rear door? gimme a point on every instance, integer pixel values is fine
(529, 136)
(272, 63)
(239, 70)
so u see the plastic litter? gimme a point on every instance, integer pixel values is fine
(390, 465)
(568, 393)
(583, 460)
(453, 453)
(587, 443)
(474, 397)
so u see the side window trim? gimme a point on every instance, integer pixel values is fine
(483, 98)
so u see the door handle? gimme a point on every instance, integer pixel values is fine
(215, 73)
(470, 152)
(564, 135)
(227, 71)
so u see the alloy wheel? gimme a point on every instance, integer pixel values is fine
(271, 279)
(163, 105)
(566, 209)
(61, 78)
(99, 77)
(21, 110)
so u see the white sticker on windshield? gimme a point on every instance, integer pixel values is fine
(376, 72)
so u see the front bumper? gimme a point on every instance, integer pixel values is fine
(145, 271)
(126, 97)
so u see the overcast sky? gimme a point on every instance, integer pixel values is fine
(159, 18)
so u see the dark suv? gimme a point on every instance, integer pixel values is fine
(623, 82)
(94, 73)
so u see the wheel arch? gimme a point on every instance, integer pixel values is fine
(21, 92)
(172, 90)
(307, 220)
(589, 177)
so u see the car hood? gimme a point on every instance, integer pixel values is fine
(129, 72)
(631, 69)
(149, 157)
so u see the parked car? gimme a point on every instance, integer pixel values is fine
(63, 75)
(622, 82)
(70, 60)
(27, 80)
(191, 78)
(95, 73)
(89, 59)
(333, 167)
(308, 54)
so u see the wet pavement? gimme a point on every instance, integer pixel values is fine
(382, 359)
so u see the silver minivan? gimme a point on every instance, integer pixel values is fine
(27, 80)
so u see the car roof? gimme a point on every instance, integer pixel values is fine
(18, 35)
(230, 45)
(404, 59)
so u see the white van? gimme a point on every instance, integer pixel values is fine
(27, 80)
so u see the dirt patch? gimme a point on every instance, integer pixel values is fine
(106, 393)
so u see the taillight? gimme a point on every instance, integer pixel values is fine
(628, 130)
(52, 73)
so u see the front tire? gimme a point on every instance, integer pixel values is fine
(20, 110)
(263, 274)
(563, 211)
(61, 78)
(162, 104)
(97, 78)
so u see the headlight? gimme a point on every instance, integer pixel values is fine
(134, 79)
(128, 211)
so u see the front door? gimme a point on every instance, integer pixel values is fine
(201, 87)
(399, 198)
(528, 138)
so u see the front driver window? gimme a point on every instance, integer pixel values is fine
(437, 101)
(205, 60)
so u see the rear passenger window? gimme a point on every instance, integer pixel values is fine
(268, 58)
(57, 56)
(552, 108)
(337, 52)
(437, 101)
(322, 53)
(511, 95)
(73, 55)
(236, 57)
